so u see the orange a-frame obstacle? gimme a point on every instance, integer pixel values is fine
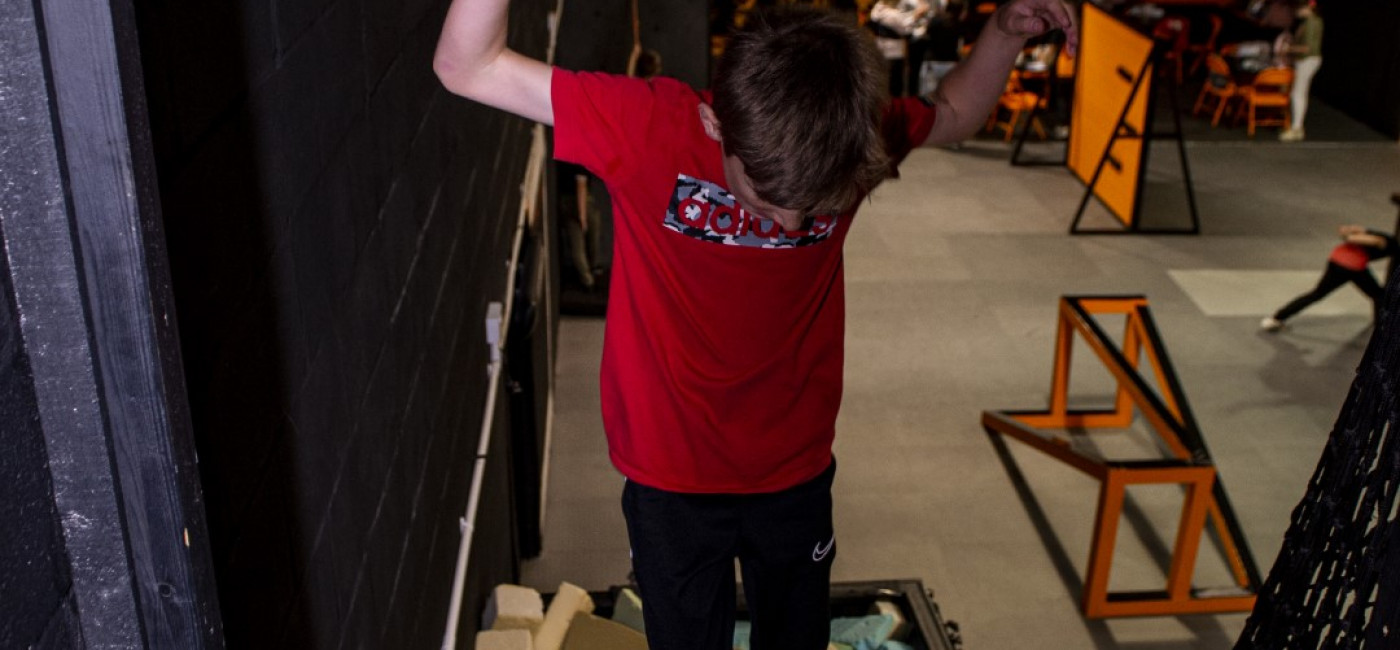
(1190, 465)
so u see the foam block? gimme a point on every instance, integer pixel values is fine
(513, 607)
(890, 608)
(628, 610)
(742, 631)
(504, 640)
(589, 632)
(568, 601)
(866, 632)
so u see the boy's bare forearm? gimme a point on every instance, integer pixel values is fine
(968, 93)
(1366, 239)
(472, 60)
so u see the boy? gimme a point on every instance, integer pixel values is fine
(722, 357)
(1347, 263)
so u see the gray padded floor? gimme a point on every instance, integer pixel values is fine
(953, 275)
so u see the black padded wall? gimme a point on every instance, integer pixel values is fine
(104, 541)
(597, 35)
(337, 224)
(1360, 71)
(679, 30)
(36, 587)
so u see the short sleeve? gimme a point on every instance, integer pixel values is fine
(600, 120)
(907, 124)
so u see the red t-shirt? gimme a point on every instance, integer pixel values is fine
(1350, 256)
(722, 356)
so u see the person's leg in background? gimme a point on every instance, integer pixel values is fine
(573, 212)
(914, 64)
(895, 51)
(1304, 70)
(898, 71)
(683, 549)
(1335, 276)
(593, 241)
(785, 554)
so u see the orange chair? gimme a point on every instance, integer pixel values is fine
(1015, 101)
(1203, 49)
(1269, 91)
(1064, 64)
(1218, 89)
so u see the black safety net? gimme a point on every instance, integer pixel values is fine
(1336, 582)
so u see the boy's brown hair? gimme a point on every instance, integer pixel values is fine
(799, 95)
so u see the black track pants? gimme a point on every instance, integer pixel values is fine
(683, 552)
(1333, 278)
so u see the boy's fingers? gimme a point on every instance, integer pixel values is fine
(1029, 25)
(1035, 17)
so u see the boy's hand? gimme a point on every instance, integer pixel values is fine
(1029, 18)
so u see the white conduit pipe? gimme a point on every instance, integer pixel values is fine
(497, 320)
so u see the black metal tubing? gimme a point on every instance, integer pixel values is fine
(1147, 138)
(1103, 159)
(1390, 266)
(1195, 441)
(1186, 430)
(1052, 77)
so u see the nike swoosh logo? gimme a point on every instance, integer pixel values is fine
(819, 553)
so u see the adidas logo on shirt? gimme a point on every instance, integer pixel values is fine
(703, 210)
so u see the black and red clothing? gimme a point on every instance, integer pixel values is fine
(1347, 263)
(722, 358)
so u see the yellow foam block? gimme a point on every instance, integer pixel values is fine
(628, 610)
(504, 640)
(568, 601)
(889, 608)
(513, 607)
(589, 632)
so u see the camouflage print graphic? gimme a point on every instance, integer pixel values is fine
(702, 210)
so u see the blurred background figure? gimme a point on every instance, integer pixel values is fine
(901, 28)
(1306, 50)
(1347, 263)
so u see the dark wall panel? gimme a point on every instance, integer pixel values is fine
(680, 31)
(1360, 71)
(597, 35)
(337, 224)
(35, 585)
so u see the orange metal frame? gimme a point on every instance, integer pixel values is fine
(1189, 464)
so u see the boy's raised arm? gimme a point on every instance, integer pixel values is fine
(472, 60)
(969, 91)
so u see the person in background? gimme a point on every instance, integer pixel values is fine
(1347, 263)
(1306, 49)
(583, 224)
(723, 353)
(901, 27)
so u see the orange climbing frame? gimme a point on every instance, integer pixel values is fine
(1166, 412)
